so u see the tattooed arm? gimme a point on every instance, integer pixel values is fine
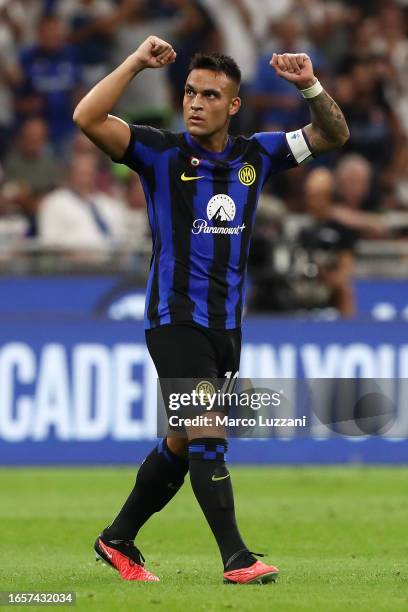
(328, 129)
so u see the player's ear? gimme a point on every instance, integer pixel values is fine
(235, 106)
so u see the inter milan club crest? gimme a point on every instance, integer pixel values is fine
(194, 161)
(247, 174)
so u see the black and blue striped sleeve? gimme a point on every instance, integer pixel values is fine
(144, 144)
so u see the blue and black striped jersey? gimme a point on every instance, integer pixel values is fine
(201, 207)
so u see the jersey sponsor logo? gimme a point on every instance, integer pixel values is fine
(190, 178)
(247, 174)
(221, 210)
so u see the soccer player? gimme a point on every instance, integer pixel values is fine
(202, 188)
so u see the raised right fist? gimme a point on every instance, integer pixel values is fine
(154, 53)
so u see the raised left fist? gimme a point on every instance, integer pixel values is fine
(296, 68)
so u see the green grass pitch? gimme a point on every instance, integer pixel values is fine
(338, 535)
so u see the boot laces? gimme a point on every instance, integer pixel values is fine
(130, 550)
(245, 557)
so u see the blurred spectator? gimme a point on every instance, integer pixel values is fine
(91, 24)
(369, 42)
(329, 27)
(32, 169)
(269, 262)
(329, 245)
(263, 14)
(23, 17)
(398, 177)
(31, 160)
(316, 272)
(235, 22)
(51, 80)
(10, 78)
(353, 183)
(13, 225)
(364, 6)
(147, 99)
(137, 231)
(195, 32)
(368, 114)
(77, 216)
(189, 28)
(105, 180)
(137, 225)
(394, 29)
(354, 190)
(279, 103)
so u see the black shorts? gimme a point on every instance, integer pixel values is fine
(192, 351)
(187, 356)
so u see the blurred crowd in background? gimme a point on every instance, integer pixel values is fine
(59, 195)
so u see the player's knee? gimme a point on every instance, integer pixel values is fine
(211, 428)
(178, 446)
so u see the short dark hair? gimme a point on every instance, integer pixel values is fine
(217, 62)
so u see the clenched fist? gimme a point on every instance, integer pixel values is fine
(153, 53)
(294, 67)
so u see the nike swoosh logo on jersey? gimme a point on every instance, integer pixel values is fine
(215, 478)
(190, 178)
